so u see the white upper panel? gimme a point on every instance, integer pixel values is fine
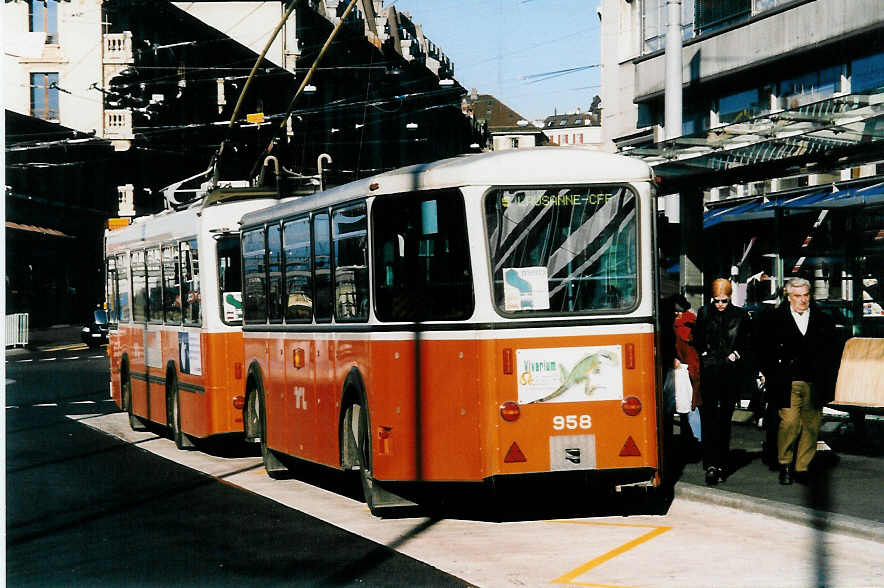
(541, 166)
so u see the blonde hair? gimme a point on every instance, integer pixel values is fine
(722, 287)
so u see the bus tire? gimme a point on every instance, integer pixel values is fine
(276, 470)
(135, 422)
(380, 501)
(173, 413)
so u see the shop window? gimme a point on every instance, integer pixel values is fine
(514, 142)
(809, 87)
(867, 73)
(44, 18)
(44, 96)
(745, 105)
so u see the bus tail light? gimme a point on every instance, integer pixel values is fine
(629, 356)
(509, 411)
(630, 449)
(631, 405)
(508, 361)
(237, 371)
(514, 454)
(239, 402)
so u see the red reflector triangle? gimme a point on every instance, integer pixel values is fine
(514, 454)
(630, 448)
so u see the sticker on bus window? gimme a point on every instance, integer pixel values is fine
(190, 359)
(232, 306)
(525, 288)
(569, 374)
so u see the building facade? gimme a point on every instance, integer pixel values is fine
(111, 102)
(779, 155)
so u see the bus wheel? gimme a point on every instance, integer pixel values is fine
(126, 392)
(173, 414)
(276, 470)
(380, 501)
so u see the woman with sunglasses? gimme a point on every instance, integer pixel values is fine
(721, 336)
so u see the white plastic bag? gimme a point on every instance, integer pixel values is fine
(684, 392)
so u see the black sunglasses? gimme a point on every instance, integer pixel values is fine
(720, 300)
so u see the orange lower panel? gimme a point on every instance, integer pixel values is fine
(205, 393)
(435, 408)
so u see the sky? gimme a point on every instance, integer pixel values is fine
(520, 51)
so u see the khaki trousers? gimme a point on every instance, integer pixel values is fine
(799, 425)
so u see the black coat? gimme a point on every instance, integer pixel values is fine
(717, 334)
(784, 352)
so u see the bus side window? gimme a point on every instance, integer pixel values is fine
(322, 267)
(111, 295)
(154, 286)
(230, 278)
(139, 286)
(254, 278)
(190, 282)
(274, 273)
(298, 277)
(171, 286)
(123, 309)
(351, 269)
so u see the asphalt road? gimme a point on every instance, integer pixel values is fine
(85, 508)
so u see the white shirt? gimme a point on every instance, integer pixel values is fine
(801, 319)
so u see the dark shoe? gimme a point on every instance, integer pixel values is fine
(721, 474)
(786, 475)
(711, 476)
(802, 478)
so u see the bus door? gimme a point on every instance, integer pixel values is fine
(300, 351)
(326, 394)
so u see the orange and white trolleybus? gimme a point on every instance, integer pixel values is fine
(174, 301)
(475, 319)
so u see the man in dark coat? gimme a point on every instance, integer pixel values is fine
(721, 337)
(799, 360)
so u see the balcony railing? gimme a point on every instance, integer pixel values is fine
(118, 47)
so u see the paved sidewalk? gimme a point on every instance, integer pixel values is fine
(845, 494)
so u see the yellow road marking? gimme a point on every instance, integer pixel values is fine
(577, 572)
(67, 347)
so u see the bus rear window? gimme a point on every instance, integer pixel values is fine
(562, 250)
(421, 258)
(230, 278)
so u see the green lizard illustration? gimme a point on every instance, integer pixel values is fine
(591, 364)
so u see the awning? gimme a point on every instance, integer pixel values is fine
(869, 195)
(823, 199)
(730, 214)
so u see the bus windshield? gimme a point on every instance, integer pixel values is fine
(562, 249)
(422, 263)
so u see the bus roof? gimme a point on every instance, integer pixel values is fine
(541, 166)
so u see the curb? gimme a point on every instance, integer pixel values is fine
(817, 519)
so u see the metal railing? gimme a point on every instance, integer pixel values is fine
(17, 329)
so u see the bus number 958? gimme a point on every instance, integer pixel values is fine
(572, 421)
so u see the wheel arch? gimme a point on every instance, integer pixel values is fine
(352, 392)
(254, 384)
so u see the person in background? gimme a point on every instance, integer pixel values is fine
(799, 359)
(686, 353)
(721, 337)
